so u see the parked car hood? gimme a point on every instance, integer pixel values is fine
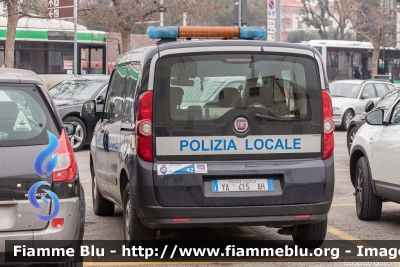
(343, 101)
(67, 102)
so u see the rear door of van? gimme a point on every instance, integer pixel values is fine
(238, 129)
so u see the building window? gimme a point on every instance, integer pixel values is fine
(287, 25)
(299, 25)
(3, 8)
(308, 26)
(330, 24)
(288, 12)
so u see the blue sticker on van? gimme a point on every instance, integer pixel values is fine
(164, 169)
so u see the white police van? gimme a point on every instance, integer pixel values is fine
(216, 132)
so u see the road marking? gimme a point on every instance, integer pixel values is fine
(345, 236)
(87, 258)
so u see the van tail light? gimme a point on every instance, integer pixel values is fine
(66, 168)
(328, 125)
(144, 127)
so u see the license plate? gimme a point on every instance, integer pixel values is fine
(238, 185)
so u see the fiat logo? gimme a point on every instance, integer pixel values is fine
(241, 124)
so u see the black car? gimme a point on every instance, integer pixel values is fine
(69, 97)
(384, 104)
(31, 131)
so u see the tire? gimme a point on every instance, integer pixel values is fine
(347, 116)
(133, 228)
(350, 137)
(79, 139)
(101, 206)
(368, 205)
(311, 235)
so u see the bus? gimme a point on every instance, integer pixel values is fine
(96, 67)
(353, 60)
(46, 47)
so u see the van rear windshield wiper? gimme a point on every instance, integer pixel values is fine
(268, 117)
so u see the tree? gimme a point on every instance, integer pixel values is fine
(119, 15)
(374, 22)
(318, 13)
(342, 18)
(299, 36)
(198, 13)
(122, 15)
(15, 10)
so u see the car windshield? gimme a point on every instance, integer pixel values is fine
(76, 89)
(386, 102)
(349, 90)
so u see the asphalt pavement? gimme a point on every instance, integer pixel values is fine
(343, 223)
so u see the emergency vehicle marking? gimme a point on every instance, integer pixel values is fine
(165, 169)
(261, 144)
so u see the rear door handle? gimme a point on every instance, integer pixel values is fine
(130, 129)
(105, 141)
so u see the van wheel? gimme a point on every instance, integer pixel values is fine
(133, 229)
(101, 206)
(79, 138)
(368, 205)
(347, 116)
(311, 235)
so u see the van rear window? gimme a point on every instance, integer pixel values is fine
(204, 87)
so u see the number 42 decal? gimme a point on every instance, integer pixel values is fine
(190, 170)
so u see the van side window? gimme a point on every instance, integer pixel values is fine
(116, 93)
(132, 80)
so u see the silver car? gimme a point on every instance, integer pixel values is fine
(350, 96)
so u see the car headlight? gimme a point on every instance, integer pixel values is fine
(336, 110)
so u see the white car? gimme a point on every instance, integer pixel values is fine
(374, 158)
(350, 96)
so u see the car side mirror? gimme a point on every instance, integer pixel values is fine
(100, 100)
(69, 128)
(375, 117)
(369, 106)
(89, 109)
(364, 96)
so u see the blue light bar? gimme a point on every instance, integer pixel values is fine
(163, 32)
(252, 33)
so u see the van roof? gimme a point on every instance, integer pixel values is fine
(161, 46)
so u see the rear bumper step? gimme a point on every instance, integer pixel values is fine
(278, 221)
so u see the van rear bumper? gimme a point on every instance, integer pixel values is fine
(237, 216)
(154, 215)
